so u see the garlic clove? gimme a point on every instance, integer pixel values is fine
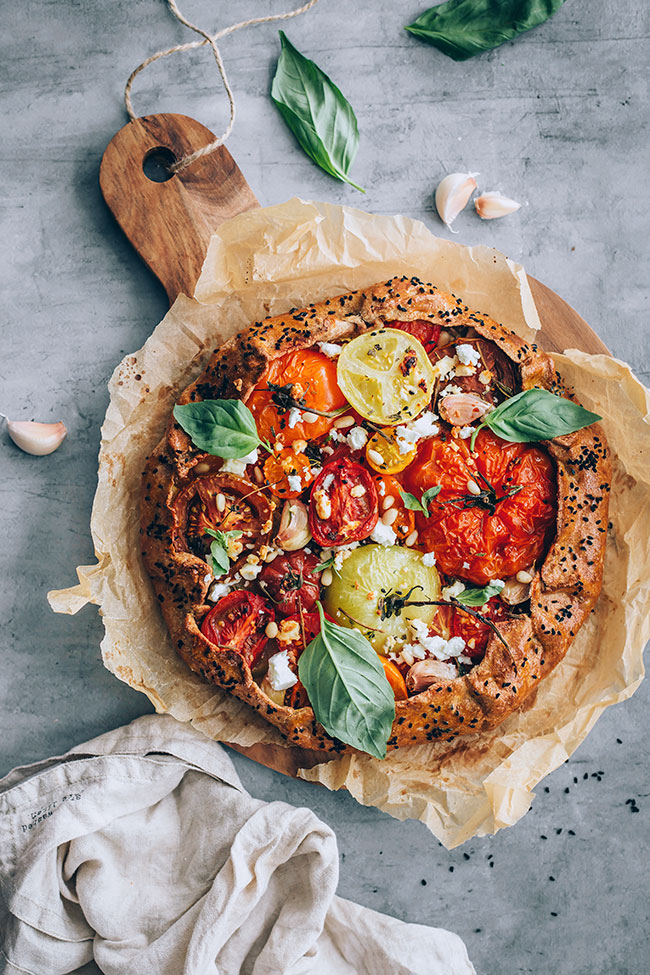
(452, 196)
(294, 527)
(36, 438)
(489, 206)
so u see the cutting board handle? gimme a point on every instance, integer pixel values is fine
(170, 222)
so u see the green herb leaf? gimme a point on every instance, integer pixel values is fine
(327, 564)
(319, 116)
(347, 687)
(219, 550)
(412, 503)
(463, 28)
(478, 597)
(223, 427)
(535, 415)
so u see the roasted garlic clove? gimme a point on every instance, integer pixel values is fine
(36, 438)
(517, 588)
(452, 196)
(461, 409)
(489, 206)
(294, 527)
(426, 672)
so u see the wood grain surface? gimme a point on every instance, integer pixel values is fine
(170, 223)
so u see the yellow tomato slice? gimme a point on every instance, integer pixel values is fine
(383, 453)
(386, 375)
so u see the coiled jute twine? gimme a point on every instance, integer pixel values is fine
(210, 39)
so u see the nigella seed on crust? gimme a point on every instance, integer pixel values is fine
(562, 594)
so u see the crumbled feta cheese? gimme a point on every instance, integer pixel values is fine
(218, 590)
(383, 534)
(288, 631)
(466, 565)
(294, 482)
(454, 590)
(250, 572)
(337, 437)
(464, 432)
(357, 438)
(445, 366)
(295, 416)
(342, 552)
(464, 659)
(315, 471)
(234, 466)
(451, 390)
(454, 647)
(468, 355)
(408, 435)
(407, 655)
(281, 677)
(330, 349)
(323, 504)
(357, 491)
(207, 578)
(328, 480)
(381, 488)
(429, 558)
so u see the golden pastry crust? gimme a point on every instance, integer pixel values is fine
(563, 591)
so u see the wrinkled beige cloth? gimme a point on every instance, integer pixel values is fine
(141, 850)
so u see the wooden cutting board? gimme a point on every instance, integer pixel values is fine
(169, 221)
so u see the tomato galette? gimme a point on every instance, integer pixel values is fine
(379, 520)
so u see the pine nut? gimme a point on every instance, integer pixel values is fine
(412, 539)
(388, 502)
(271, 630)
(257, 474)
(221, 502)
(473, 487)
(376, 458)
(202, 468)
(310, 417)
(524, 577)
(389, 516)
(326, 577)
(343, 421)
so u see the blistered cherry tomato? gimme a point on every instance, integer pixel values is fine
(280, 467)
(343, 504)
(478, 533)
(238, 622)
(307, 377)
(474, 632)
(427, 332)
(403, 521)
(290, 581)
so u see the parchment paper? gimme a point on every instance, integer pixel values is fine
(265, 262)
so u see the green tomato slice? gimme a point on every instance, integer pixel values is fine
(368, 574)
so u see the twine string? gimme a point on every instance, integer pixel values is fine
(210, 39)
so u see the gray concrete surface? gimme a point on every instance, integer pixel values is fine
(557, 120)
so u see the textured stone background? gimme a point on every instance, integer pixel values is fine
(557, 121)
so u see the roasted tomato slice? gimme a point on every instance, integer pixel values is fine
(284, 465)
(307, 377)
(343, 504)
(474, 632)
(403, 522)
(221, 502)
(290, 581)
(427, 332)
(490, 526)
(494, 367)
(238, 622)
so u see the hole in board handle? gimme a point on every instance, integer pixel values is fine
(156, 163)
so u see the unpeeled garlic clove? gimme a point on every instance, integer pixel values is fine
(452, 196)
(294, 527)
(489, 206)
(36, 438)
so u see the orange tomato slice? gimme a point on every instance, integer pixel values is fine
(394, 678)
(383, 453)
(280, 467)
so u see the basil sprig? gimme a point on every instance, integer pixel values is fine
(412, 503)
(223, 427)
(535, 415)
(319, 116)
(347, 687)
(220, 560)
(478, 597)
(463, 28)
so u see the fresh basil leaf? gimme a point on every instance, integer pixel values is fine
(347, 687)
(463, 28)
(223, 427)
(478, 597)
(535, 415)
(319, 116)
(412, 503)
(219, 550)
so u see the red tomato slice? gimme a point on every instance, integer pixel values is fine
(471, 541)
(427, 332)
(474, 632)
(238, 622)
(347, 514)
(306, 375)
(290, 581)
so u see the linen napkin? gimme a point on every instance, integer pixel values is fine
(142, 851)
